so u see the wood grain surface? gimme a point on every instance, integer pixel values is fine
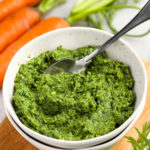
(10, 139)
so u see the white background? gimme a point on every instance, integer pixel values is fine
(140, 45)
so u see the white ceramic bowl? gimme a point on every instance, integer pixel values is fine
(73, 38)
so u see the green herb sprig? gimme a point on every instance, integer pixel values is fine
(144, 142)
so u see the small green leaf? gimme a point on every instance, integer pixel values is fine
(134, 143)
(144, 143)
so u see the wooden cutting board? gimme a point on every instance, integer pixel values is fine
(10, 139)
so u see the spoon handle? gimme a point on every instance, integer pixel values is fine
(141, 17)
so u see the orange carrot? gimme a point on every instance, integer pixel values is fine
(9, 6)
(17, 24)
(42, 27)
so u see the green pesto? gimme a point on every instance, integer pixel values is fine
(73, 106)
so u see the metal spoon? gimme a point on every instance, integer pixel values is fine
(76, 66)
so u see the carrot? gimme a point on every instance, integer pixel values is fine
(16, 24)
(44, 26)
(9, 6)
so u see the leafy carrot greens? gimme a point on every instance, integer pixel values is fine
(86, 7)
(96, 11)
(47, 5)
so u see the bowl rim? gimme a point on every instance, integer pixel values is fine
(9, 106)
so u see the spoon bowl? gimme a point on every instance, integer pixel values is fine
(67, 65)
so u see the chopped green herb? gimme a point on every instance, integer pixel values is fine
(73, 106)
